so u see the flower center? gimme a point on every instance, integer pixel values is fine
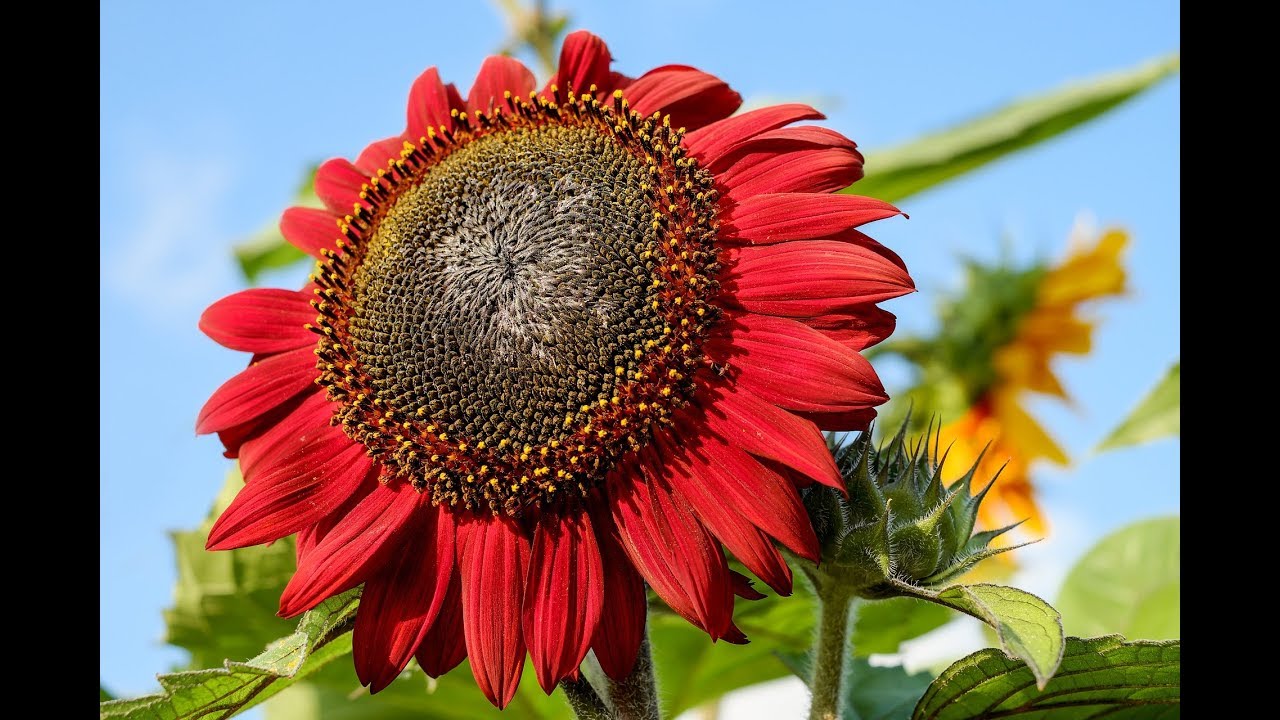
(517, 302)
(504, 290)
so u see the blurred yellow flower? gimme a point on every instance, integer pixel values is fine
(1052, 325)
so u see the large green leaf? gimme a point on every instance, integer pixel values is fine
(1128, 583)
(322, 635)
(1158, 415)
(882, 626)
(905, 170)
(870, 692)
(225, 602)
(267, 249)
(1028, 627)
(1099, 677)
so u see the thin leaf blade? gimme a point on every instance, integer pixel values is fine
(1157, 415)
(267, 249)
(902, 171)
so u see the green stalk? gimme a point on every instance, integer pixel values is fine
(830, 647)
(584, 701)
(636, 696)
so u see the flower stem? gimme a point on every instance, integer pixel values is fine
(584, 701)
(829, 650)
(636, 696)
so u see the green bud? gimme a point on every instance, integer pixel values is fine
(900, 525)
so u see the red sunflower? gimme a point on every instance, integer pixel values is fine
(560, 343)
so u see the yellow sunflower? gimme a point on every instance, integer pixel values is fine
(996, 342)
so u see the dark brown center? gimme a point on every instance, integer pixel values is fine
(520, 301)
(506, 289)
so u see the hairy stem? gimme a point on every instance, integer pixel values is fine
(636, 696)
(829, 649)
(584, 701)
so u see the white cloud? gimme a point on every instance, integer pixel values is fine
(170, 256)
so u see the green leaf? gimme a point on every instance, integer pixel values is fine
(1158, 415)
(225, 602)
(1128, 583)
(905, 170)
(883, 625)
(335, 694)
(869, 692)
(693, 670)
(322, 635)
(267, 249)
(1099, 677)
(1028, 627)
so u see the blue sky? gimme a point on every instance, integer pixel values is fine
(210, 111)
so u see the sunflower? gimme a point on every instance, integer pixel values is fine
(560, 343)
(996, 345)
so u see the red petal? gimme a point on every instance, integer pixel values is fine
(690, 476)
(584, 61)
(444, 646)
(691, 97)
(813, 160)
(563, 597)
(354, 549)
(841, 421)
(294, 495)
(310, 229)
(810, 278)
(235, 437)
(857, 329)
(710, 143)
(743, 420)
(338, 185)
(767, 497)
(260, 320)
(311, 536)
(497, 76)
(401, 602)
(494, 558)
(779, 217)
(857, 237)
(379, 154)
(742, 585)
(670, 548)
(735, 636)
(796, 367)
(430, 101)
(258, 389)
(306, 421)
(617, 638)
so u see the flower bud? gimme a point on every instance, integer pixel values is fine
(899, 523)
